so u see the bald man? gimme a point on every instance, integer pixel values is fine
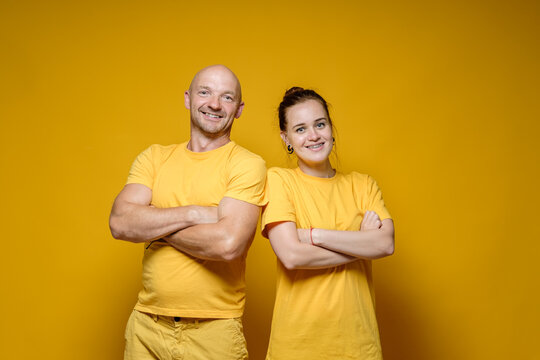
(195, 206)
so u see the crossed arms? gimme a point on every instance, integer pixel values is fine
(330, 248)
(221, 233)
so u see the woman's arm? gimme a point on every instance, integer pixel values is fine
(296, 255)
(374, 240)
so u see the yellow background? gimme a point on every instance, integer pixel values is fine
(437, 101)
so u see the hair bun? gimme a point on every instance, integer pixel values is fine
(293, 90)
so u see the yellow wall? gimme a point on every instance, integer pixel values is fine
(438, 101)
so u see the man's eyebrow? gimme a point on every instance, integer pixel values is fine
(205, 87)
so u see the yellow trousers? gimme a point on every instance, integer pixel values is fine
(150, 336)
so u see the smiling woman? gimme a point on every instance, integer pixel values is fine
(325, 228)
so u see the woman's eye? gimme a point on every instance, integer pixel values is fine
(300, 129)
(320, 125)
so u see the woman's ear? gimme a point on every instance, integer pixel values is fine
(284, 137)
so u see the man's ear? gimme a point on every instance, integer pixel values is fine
(187, 100)
(239, 110)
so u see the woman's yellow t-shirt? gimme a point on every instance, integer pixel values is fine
(323, 313)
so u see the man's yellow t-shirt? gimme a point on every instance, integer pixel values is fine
(175, 283)
(323, 313)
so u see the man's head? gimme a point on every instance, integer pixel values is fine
(214, 100)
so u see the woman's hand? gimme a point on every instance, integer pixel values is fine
(303, 236)
(371, 221)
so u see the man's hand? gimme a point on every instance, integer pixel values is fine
(371, 221)
(205, 214)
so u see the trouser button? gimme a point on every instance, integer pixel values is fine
(177, 318)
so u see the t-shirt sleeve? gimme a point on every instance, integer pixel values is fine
(280, 206)
(247, 181)
(374, 200)
(143, 168)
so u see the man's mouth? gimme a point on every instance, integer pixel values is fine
(213, 116)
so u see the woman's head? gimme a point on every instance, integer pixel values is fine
(296, 95)
(306, 128)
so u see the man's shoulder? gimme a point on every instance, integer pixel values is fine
(159, 152)
(166, 148)
(240, 153)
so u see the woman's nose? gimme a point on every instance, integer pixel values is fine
(313, 134)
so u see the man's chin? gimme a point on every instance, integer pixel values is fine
(212, 130)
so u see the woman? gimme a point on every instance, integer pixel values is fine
(325, 228)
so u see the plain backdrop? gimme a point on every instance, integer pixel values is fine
(438, 101)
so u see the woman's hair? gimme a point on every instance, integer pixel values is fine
(297, 95)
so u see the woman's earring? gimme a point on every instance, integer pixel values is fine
(333, 140)
(290, 149)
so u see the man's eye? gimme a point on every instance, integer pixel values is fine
(228, 98)
(203, 92)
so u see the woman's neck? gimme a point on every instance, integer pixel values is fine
(323, 170)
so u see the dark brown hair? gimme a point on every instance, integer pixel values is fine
(297, 95)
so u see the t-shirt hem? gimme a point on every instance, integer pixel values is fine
(253, 201)
(200, 314)
(138, 181)
(265, 222)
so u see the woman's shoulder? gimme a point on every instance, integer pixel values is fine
(279, 171)
(279, 175)
(358, 180)
(355, 176)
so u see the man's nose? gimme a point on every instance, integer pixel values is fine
(214, 103)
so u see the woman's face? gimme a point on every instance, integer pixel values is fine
(309, 132)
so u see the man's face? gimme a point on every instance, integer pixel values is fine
(214, 101)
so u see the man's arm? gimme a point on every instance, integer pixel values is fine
(374, 240)
(134, 219)
(225, 240)
(294, 254)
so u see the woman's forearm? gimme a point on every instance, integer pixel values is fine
(365, 244)
(296, 255)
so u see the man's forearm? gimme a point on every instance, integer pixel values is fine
(225, 240)
(207, 242)
(140, 223)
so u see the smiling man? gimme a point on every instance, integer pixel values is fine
(195, 206)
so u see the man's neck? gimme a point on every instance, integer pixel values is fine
(201, 143)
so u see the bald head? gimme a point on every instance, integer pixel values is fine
(217, 73)
(214, 100)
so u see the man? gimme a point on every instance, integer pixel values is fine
(196, 207)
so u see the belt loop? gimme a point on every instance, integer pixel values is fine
(155, 317)
(196, 323)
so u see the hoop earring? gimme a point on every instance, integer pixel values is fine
(290, 149)
(333, 140)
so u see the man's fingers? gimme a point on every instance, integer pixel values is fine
(370, 221)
